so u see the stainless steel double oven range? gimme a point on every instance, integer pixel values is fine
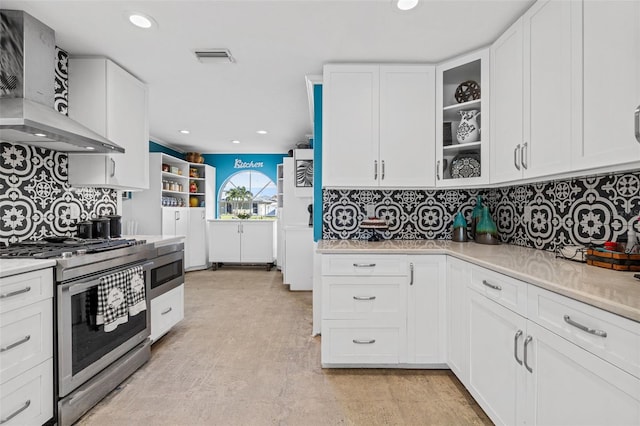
(90, 361)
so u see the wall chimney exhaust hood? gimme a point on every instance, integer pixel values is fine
(27, 114)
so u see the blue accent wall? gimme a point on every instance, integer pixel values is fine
(317, 162)
(156, 147)
(229, 164)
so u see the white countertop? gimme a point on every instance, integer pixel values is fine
(158, 240)
(20, 266)
(614, 291)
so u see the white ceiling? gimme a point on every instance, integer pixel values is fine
(275, 44)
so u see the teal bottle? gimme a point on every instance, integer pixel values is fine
(475, 216)
(486, 230)
(459, 232)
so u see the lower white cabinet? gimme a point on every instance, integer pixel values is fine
(26, 342)
(244, 241)
(166, 311)
(457, 317)
(426, 310)
(196, 248)
(298, 253)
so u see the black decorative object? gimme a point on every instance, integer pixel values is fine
(465, 166)
(467, 91)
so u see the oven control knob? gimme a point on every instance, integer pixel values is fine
(67, 254)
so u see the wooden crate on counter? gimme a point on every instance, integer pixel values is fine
(613, 260)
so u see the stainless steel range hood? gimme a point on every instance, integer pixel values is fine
(27, 114)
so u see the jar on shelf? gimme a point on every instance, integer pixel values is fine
(180, 187)
(193, 187)
(165, 185)
(193, 172)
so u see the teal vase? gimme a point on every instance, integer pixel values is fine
(486, 229)
(459, 232)
(475, 216)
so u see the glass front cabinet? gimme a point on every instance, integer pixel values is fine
(462, 120)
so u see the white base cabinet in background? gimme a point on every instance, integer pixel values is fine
(166, 311)
(241, 241)
(197, 245)
(113, 103)
(299, 257)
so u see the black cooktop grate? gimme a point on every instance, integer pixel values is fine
(51, 248)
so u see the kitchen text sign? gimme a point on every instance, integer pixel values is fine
(239, 164)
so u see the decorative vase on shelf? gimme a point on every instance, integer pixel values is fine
(486, 230)
(468, 130)
(475, 216)
(193, 201)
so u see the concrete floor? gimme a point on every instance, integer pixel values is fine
(244, 355)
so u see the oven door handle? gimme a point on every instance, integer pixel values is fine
(75, 288)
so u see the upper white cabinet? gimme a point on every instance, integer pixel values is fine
(462, 93)
(113, 103)
(611, 84)
(378, 125)
(535, 102)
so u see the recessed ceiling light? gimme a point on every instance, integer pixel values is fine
(40, 135)
(141, 20)
(185, 132)
(235, 141)
(89, 148)
(261, 132)
(406, 4)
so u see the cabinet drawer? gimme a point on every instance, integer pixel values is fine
(21, 290)
(26, 338)
(28, 398)
(586, 325)
(360, 342)
(166, 311)
(363, 298)
(389, 265)
(507, 291)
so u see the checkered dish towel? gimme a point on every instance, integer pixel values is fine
(112, 300)
(136, 299)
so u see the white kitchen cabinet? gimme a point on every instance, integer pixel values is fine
(113, 103)
(241, 241)
(611, 84)
(458, 277)
(462, 163)
(536, 100)
(26, 339)
(166, 311)
(299, 257)
(426, 298)
(197, 257)
(175, 221)
(373, 115)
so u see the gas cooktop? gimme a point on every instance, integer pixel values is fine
(63, 247)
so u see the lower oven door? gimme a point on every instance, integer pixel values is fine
(85, 348)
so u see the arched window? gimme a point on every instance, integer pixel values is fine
(248, 194)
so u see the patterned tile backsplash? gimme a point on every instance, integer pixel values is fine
(36, 199)
(540, 215)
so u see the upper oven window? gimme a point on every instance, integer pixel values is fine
(164, 273)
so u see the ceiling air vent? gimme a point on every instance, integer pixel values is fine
(217, 56)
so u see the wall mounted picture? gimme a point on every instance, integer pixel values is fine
(304, 173)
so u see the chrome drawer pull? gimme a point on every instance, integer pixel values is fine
(411, 270)
(166, 312)
(15, 293)
(526, 342)
(515, 346)
(15, 413)
(364, 265)
(364, 342)
(493, 286)
(364, 297)
(25, 339)
(593, 331)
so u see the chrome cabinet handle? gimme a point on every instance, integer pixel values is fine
(526, 342)
(637, 125)
(364, 342)
(515, 346)
(113, 167)
(364, 265)
(15, 293)
(411, 273)
(438, 169)
(584, 328)
(523, 155)
(382, 177)
(166, 312)
(176, 215)
(493, 286)
(375, 169)
(515, 156)
(25, 339)
(15, 413)
(364, 297)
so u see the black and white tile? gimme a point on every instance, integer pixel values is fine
(61, 82)
(36, 199)
(542, 215)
